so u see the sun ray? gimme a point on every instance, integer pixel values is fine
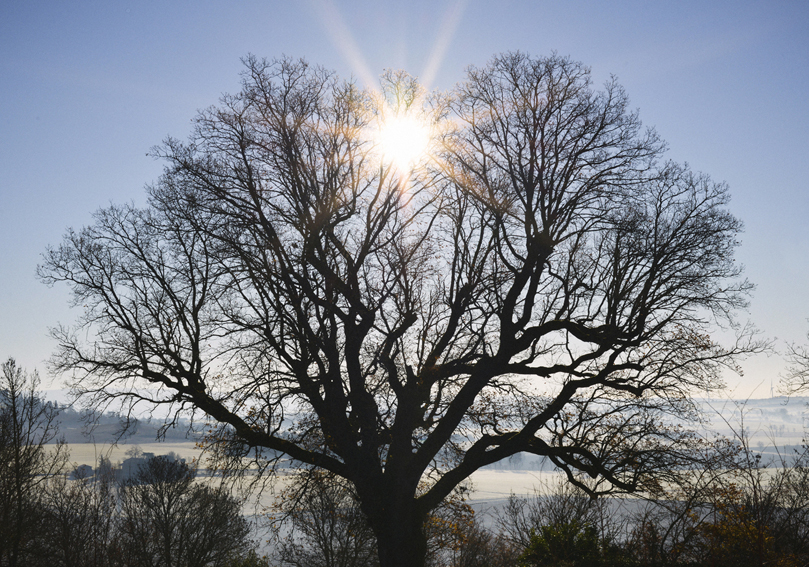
(343, 40)
(449, 24)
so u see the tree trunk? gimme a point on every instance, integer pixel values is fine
(398, 525)
(401, 542)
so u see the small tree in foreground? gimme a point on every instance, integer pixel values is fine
(79, 522)
(168, 520)
(317, 521)
(538, 279)
(321, 525)
(27, 462)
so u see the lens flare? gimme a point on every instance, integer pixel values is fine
(403, 140)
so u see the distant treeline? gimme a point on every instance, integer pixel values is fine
(83, 427)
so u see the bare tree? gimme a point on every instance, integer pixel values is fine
(544, 283)
(167, 520)
(27, 425)
(323, 525)
(79, 521)
(797, 377)
(482, 548)
(553, 504)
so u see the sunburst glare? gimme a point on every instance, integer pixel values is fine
(403, 141)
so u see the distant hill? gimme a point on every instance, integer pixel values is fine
(764, 416)
(76, 427)
(770, 424)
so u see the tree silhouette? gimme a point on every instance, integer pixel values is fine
(27, 425)
(542, 281)
(166, 519)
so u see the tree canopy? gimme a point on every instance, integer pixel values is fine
(539, 279)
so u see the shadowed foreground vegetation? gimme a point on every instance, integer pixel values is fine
(740, 508)
(739, 511)
(157, 516)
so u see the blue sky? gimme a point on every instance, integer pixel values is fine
(87, 88)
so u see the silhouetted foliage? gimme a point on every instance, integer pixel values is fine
(741, 509)
(324, 526)
(318, 521)
(480, 547)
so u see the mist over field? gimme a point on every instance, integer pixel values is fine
(772, 427)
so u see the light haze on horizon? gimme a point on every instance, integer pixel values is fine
(88, 88)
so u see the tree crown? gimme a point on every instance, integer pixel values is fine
(544, 281)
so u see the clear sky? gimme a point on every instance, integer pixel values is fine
(87, 88)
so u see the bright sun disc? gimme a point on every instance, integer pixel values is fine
(403, 140)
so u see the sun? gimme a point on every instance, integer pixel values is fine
(403, 141)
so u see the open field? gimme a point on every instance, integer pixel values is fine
(767, 423)
(89, 453)
(486, 484)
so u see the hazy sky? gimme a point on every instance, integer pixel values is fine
(87, 88)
